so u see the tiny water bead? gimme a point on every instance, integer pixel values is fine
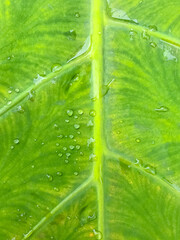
(20, 109)
(50, 177)
(9, 91)
(71, 147)
(17, 90)
(80, 112)
(76, 173)
(57, 144)
(56, 189)
(59, 173)
(138, 140)
(71, 136)
(92, 113)
(97, 234)
(69, 113)
(90, 140)
(71, 35)
(153, 44)
(64, 148)
(60, 136)
(67, 120)
(16, 141)
(55, 67)
(162, 109)
(90, 123)
(152, 28)
(77, 14)
(76, 126)
(78, 147)
(68, 154)
(145, 35)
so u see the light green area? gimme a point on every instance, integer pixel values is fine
(89, 120)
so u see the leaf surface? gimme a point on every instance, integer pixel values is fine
(89, 120)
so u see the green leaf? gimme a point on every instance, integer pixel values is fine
(89, 120)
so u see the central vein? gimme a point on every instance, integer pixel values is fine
(97, 68)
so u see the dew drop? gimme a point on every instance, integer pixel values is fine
(76, 126)
(57, 144)
(12, 147)
(76, 173)
(9, 102)
(77, 14)
(20, 109)
(16, 141)
(67, 120)
(92, 113)
(89, 141)
(60, 154)
(71, 136)
(31, 95)
(66, 161)
(153, 44)
(150, 169)
(71, 147)
(69, 113)
(97, 234)
(50, 177)
(60, 136)
(80, 112)
(90, 123)
(68, 154)
(56, 67)
(59, 173)
(138, 140)
(145, 35)
(17, 90)
(78, 147)
(153, 28)
(9, 91)
(56, 189)
(64, 148)
(75, 117)
(71, 35)
(162, 109)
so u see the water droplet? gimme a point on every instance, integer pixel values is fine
(79, 132)
(71, 136)
(76, 173)
(145, 35)
(9, 102)
(90, 123)
(38, 79)
(71, 35)
(66, 161)
(78, 147)
(97, 234)
(89, 141)
(17, 90)
(76, 126)
(59, 173)
(60, 136)
(132, 34)
(69, 113)
(50, 177)
(80, 112)
(12, 147)
(162, 109)
(67, 120)
(60, 154)
(75, 117)
(57, 144)
(152, 28)
(56, 189)
(92, 113)
(42, 143)
(9, 91)
(168, 55)
(31, 95)
(16, 141)
(153, 44)
(71, 147)
(32, 166)
(81, 153)
(92, 156)
(77, 14)
(138, 140)
(68, 154)
(56, 67)
(64, 148)
(150, 169)
(20, 109)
